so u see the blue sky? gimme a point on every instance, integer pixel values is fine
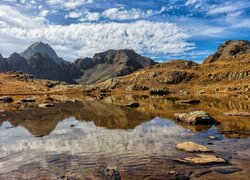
(160, 29)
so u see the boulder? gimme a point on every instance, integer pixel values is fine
(45, 105)
(202, 159)
(195, 118)
(6, 99)
(192, 147)
(27, 100)
(236, 113)
(133, 105)
(187, 101)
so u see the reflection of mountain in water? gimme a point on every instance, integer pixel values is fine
(42, 122)
(231, 126)
(158, 136)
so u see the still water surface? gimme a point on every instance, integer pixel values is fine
(78, 140)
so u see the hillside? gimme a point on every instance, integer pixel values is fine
(228, 73)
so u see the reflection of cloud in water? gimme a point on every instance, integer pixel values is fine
(156, 136)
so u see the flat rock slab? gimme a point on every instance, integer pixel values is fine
(192, 147)
(45, 105)
(236, 113)
(195, 118)
(202, 159)
(187, 102)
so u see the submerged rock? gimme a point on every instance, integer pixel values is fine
(212, 137)
(195, 118)
(187, 101)
(202, 159)
(6, 99)
(45, 105)
(236, 113)
(192, 147)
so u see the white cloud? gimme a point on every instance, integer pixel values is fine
(189, 2)
(74, 15)
(43, 13)
(85, 39)
(16, 19)
(123, 14)
(70, 4)
(226, 8)
(91, 16)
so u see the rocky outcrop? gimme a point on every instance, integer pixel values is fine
(195, 118)
(230, 76)
(228, 50)
(175, 77)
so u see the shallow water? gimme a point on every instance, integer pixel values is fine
(78, 140)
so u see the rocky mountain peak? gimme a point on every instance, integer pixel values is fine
(1, 57)
(15, 55)
(229, 49)
(42, 48)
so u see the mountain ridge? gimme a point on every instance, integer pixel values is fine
(42, 62)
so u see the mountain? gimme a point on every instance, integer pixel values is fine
(109, 64)
(4, 66)
(230, 50)
(41, 48)
(18, 63)
(43, 67)
(42, 61)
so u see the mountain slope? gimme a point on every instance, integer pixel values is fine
(230, 50)
(41, 48)
(109, 64)
(43, 67)
(228, 70)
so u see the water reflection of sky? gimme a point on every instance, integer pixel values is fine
(156, 136)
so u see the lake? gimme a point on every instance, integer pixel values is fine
(103, 139)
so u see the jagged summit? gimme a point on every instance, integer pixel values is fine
(111, 63)
(228, 50)
(42, 48)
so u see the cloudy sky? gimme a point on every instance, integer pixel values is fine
(160, 29)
